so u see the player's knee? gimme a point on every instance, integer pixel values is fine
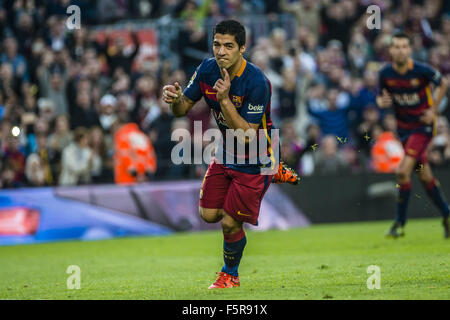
(230, 226)
(402, 175)
(210, 215)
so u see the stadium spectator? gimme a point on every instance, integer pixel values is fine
(367, 94)
(181, 170)
(110, 11)
(313, 136)
(34, 171)
(161, 139)
(8, 177)
(102, 167)
(77, 42)
(17, 61)
(261, 59)
(329, 159)
(124, 106)
(292, 146)
(389, 123)
(419, 52)
(61, 136)
(52, 83)
(107, 114)
(192, 45)
(146, 108)
(13, 160)
(359, 53)
(337, 19)
(288, 95)
(277, 49)
(47, 158)
(116, 52)
(299, 60)
(78, 161)
(214, 12)
(9, 83)
(100, 82)
(330, 112)
(56, 35)
(439, 154)
(46, 109)
(306, 12)
(84, 113)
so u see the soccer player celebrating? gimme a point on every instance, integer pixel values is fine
(406, 85)
(239, 95)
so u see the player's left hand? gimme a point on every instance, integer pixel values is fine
(427, 117)
(222, 86)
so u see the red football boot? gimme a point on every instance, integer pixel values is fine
(285, 175)
(225, 280)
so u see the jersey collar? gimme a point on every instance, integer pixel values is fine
(242, 68)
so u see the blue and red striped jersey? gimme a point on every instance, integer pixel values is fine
(250, 92)
(411, 95)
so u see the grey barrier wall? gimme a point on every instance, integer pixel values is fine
(317, 199)
(175, 204)
(361, 197)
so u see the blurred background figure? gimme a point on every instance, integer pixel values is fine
(134, 157)
(329, 159)
(78, 161)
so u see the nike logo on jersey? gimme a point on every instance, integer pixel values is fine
(209, 92)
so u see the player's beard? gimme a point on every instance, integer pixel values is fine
(227, 64)
(401, 62)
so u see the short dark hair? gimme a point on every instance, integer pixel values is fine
(233, 28)
(401, 35)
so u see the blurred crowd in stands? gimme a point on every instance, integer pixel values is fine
(63, 94)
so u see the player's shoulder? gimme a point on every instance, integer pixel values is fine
(422, 66)
(386, 68)
(207, 65)
(254, 72)
(255, 76)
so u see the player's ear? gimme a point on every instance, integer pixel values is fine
(242, 49)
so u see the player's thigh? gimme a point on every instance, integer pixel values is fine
(211, 215)
(425, 174)
(405, 168)
(245, 195)
(213, 192)
(416, 147)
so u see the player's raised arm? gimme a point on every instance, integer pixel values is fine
(179, 103)
(384, 100)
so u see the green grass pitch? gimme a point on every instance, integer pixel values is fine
(327, 261)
